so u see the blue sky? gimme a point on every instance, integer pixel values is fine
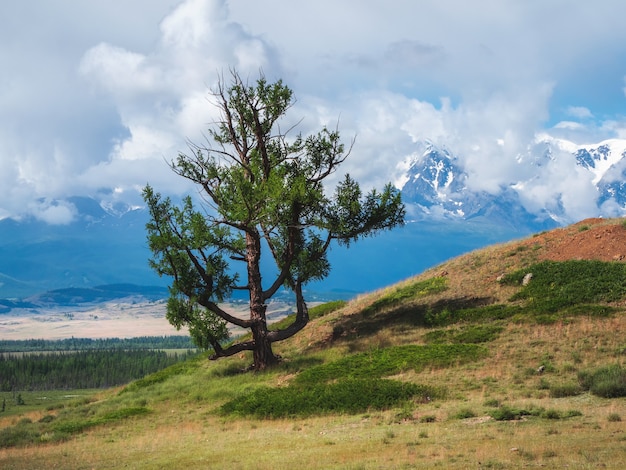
(96, 97)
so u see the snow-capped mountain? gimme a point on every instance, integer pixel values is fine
(554, 182)
(435, 183)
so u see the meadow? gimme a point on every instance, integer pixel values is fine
(463, 366)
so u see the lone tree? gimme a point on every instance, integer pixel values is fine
(261, 192)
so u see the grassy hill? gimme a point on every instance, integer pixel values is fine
(472, 364)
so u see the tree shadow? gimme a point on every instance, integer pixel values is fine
(371, 320)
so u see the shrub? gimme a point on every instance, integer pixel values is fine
(428, 419)
(492, 403)
(393, 360)
(614, 418)
(565, 390)
(558, 285)
(471, 315)
(505, 413)
(347, 396)
(464, 413)
(19, 435)
(606, 382)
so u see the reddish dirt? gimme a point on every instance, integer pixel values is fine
(596, 239)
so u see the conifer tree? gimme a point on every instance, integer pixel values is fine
(262, 193)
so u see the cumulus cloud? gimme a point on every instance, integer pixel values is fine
(53, 212)
(162, 97)
(87, 108)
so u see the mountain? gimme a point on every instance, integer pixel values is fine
(106, 244)
(435, 184)
(100, 247)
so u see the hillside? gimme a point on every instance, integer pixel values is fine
(462, 366)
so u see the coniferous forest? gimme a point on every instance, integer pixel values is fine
(84, 363)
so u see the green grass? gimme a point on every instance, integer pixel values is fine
(51, 428)
(606, 382)
(393, 360)
(557, 290)
(397, 406)
(346, 396)
(557, 286)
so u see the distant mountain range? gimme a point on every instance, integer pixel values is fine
(106, 245)
(435, 184)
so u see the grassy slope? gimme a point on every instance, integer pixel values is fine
(172, 420)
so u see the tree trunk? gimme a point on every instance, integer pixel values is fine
(263, 355)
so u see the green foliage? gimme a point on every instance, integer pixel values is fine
(261, 192)
(52, 429)
(464, 413)
(506, 413)
(565, 390)
(354, 383)
(392, 360)
(326, 308)
(556, 289)
(23, 433)
(556, 414)
(346, 396)
(83, 344)
(614, 418)
(606, 382)
(557, 286)
(80, 369)
(180, 368)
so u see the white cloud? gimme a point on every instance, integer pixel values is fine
(579, 112)
(92, 99)
(53, 212)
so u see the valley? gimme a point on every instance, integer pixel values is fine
(120, 319)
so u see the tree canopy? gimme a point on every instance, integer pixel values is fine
(262, 192)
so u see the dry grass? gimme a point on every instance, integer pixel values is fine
(184, 432)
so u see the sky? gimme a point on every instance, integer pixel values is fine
(97, 97)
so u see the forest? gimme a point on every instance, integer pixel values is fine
(81, 369)
(82, 344)
(80, 363)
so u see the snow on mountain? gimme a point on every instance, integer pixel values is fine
(552, 173)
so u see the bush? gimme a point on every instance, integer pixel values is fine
(464, 413)
(19, 435)
(389, 361)
(347, 396)
(614, 418)
(605, 382)
(560, 285)
(506, 413)
(565, 390)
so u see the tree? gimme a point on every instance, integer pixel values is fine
(261, 192)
